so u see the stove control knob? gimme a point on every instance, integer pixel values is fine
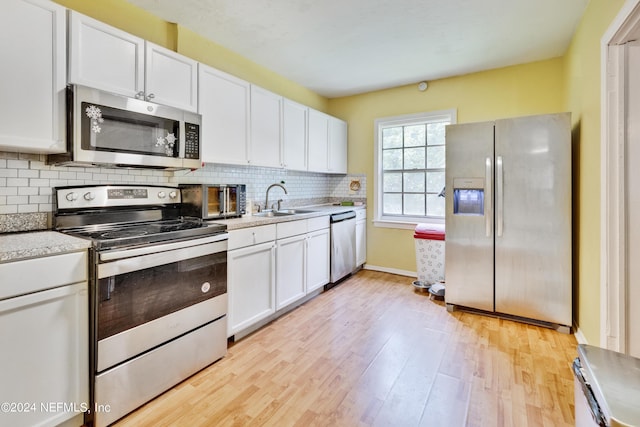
(72, 197)
(89, 196)
(162, 195)
(173, 195)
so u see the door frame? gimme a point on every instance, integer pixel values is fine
(613, 221)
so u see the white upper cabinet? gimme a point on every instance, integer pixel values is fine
(327, 145)
(266, 128)
(294, 135)
(113, 60)
(171, 78)
(337, 146)
(318, 141)
(224, 105)
(32, 87)
(104, 57)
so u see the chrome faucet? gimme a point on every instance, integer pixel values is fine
(266, 202)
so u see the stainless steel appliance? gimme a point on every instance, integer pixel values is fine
(508, 218)
(158, 291)
(214, 201)
(107, 129)
(606, 388)
(343, 245)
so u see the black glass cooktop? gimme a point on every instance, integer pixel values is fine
(109, 236)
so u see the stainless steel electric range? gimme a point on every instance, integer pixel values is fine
(158, 291)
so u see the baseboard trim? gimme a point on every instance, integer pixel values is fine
(390, 270)
(579, 335)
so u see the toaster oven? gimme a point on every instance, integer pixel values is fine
(213, 201)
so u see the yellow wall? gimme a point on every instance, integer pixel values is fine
(582, 98)
(123, 15)
(534, 88)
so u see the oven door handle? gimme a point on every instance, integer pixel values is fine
(145, 250)
(127, 265)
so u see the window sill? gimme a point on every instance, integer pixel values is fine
(405, 225)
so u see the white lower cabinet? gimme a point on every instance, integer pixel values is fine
(45, 356)
(251, 276)
(271, 267)
(290, 270)
(361, 237)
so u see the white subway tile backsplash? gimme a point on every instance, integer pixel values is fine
(28, 173)
(41, 182)
(8, 209)
(27, 191)
(17, 200)
(26, 182)
(17, 164)
(17, 182)
(27, 208)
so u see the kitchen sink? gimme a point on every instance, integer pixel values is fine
(295, 211)
(272, 214)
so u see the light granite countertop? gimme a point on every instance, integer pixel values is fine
(18, 246)
(33, 244)
(254, 221)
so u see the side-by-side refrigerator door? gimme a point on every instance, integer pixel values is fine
(533, 217)
(469, 215)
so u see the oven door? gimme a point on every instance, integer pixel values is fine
(147, 296)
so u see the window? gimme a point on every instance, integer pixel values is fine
(410, 164)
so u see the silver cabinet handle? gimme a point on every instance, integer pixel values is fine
(488, 179)
(151, 96)
(499, 194)
(140, 95)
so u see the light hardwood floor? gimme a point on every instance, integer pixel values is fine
(372, 352)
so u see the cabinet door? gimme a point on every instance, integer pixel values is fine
(33, 70)
(290, 271)
(170, 78)
(317, 259)
(294, 135)
(361, 242)
(266, 128)
(337, 146)
(224, 106)
(104, 57)
(48, 355)
(251, 285)
(318, 145)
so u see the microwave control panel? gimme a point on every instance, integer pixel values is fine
(191, 141)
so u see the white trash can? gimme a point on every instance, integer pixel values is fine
(429, 252)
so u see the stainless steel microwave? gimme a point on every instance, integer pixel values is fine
(213, 201)
(108, 129)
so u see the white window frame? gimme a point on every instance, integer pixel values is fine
(405, 222)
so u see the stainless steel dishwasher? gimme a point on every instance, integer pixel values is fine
(343, 245)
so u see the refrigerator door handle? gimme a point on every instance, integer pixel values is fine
(499, 196)
(487, 201)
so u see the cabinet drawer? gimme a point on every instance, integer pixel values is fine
(293, 228)
(32, 275)
(317, 223)
(251, 236)
(361, 214)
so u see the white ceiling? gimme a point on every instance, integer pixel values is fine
(345, 47)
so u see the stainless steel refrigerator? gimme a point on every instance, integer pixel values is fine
(508, 218)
